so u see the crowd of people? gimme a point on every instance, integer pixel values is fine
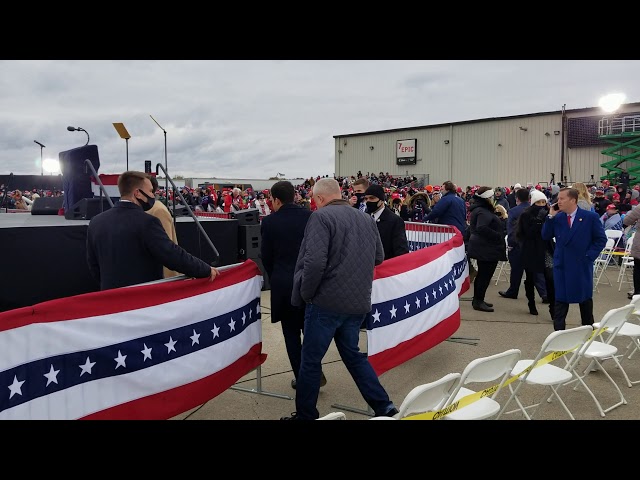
(322, 239)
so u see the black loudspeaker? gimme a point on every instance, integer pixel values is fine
(250, 216)
(87, 208)
(249, 241)
(46, 205)
(147, 166)
(76, 175)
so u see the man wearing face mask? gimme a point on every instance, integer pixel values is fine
(390, 226)
(357, 199)
(126, 246)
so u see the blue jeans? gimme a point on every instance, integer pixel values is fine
(321, 326)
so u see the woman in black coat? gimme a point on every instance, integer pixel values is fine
(537, 254)
(486, 244)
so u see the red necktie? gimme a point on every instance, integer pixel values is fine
(569, 220)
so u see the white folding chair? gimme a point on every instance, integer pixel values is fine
(481, 371)
(540, 370)
(615, 235)
(504, 267)
(428, 397)
(597, 350)
(629, 330)
(601, 264)
(626, 264)
(333, 416)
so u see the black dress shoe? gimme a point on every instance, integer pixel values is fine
(488, 304)
(482, 306)
(506, 295)
(391, 413)
(293, 416)
(545, 300)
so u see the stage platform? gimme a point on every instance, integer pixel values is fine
(44, 256)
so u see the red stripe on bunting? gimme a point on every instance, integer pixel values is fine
(123, 299)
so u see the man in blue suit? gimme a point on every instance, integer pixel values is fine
(282, 233)
(579, 238)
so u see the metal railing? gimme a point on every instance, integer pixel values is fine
(619, 125)
(103, 190)
(422, 235)
(159, 166)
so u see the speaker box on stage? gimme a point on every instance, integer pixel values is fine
(46, 205)
(87, 208)
(147, 166)
(249, 241)
(76, 175)
(250, 216)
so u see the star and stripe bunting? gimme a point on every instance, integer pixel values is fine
(415, 301)
(144, 352)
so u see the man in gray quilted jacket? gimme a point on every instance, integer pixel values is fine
(333, 278)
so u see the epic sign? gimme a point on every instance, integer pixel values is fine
(406, 152)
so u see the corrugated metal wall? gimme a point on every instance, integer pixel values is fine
(488, 152)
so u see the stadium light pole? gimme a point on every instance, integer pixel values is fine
(166, 168)
(122, 131)
(41, 158)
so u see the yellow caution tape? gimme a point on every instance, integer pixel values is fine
(474, 397)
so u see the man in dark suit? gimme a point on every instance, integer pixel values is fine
(125, 246)
(580, 238)
(282, 233)
(390, 226)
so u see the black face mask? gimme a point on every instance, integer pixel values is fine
(372, 207)
(149, 203)
(359, 197)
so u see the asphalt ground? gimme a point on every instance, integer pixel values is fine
(267, 394)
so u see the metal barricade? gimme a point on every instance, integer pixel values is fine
(422, 235)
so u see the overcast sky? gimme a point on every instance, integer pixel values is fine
(255, 119)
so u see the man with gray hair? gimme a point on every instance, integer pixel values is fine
(333, 279)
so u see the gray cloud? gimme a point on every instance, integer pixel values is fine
(239, 118)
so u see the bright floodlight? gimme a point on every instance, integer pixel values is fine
(610, 103)
(51, 165)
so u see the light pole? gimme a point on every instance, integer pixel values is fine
(122, 131)
(41, 158)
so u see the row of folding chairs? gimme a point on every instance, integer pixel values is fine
(560, 363)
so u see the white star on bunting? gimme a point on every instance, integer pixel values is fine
(406, 307)
(417, 302)
(195, 338)
(376, 316)
(215, 330)
(146, 352)
(171, 345)
(86, 368)
(244, 317)
(52, 376)
(232, 325)
(120, 360)
(393, 311)
(15, 387)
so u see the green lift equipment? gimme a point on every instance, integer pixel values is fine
(623, 133)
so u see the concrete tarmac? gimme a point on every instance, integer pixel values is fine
(480, 334)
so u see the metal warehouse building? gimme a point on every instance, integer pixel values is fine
(501, 151)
